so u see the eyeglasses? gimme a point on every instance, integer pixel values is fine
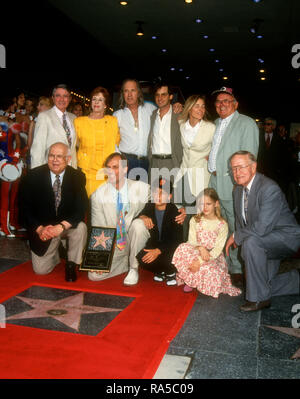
(58, 157)
(224, 102)
(268, 123)
(238, 168)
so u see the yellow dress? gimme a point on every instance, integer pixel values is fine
(97, 139)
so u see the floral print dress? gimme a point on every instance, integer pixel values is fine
(212, 278)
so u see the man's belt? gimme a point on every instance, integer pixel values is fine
(162, 156)
(134, 156)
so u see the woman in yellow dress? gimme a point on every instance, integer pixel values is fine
(97, 135)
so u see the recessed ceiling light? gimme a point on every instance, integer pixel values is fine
(256, 1)
(262, 78)
(259, 36)
(124, 3)
(225, 77)
(261, 60)
(211, 50)
(188, 1)
(261, 70)
(205, 36)
(172, 69)
(164, 50)
(154, 37)
(217, 60)
(198, 20)
(221, 70)
(180, 69)
(187, 77)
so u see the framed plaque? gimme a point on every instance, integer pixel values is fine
(99, 250)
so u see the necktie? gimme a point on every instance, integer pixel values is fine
(57, 191)
(67, 129)
(246, 193)
(121, 231)
(268, 141)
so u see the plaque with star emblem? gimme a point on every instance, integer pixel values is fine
(99, 249)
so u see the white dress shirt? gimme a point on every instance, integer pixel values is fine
(162, 134)
(53, 176)
(220, 130)
(134, 140)
(190, 132)
(249, 188)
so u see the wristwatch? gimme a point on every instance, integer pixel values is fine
(63, 226)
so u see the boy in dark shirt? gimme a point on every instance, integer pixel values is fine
(165, 234)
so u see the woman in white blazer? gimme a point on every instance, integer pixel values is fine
(196, 137)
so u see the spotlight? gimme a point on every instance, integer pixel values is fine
(124, 3)
(154, 37)
(139, 31)
(164, 50)
(198, 20)
(259, 36)
(188, 1)
(225, 77)
(211, 50)
(205, 36)
(255, 26)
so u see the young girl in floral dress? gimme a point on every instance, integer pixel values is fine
(200, 262)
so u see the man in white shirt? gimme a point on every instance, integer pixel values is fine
(134, 124)
(54, 125)
(164, 143)
(234, 132)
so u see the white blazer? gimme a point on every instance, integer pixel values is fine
(194, 156)
(49, 130)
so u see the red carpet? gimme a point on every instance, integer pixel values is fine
(131, 346)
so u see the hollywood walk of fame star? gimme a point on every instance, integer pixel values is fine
(68, 310)
(294, 332)
(100, 240)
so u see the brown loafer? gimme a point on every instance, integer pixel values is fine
(254, 306)
(237, 279)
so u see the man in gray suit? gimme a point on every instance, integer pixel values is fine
(164, 141)
(266, 230)
(52, 126)
(234, 132)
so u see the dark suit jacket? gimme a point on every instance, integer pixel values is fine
(268, 212)
(172, 232)
(37, 206)
(176, 146)
(272, 161)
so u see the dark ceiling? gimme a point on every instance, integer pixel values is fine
(93, 42)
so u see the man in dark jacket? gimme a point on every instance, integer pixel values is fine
(53, 203)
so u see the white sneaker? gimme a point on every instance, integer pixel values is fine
(171, 279)
(132, 277)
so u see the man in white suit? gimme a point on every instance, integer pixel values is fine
(104, 212)
(52, 126)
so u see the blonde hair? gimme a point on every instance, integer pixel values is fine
(45, 101)
(212, 194)
(189, 103)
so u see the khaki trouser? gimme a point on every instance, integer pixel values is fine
(76, 244)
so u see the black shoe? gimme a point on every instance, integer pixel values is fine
(71, 271)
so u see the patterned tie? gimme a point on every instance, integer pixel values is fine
(57, 192)
(67, 129)
(121, 231)
(246, 193)
(268, 140)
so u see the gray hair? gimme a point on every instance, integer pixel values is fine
(61, 143)
(61, 86)
(274, 122)
(243, 152)
(140, 95)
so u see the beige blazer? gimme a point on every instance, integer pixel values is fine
(49, 130)
(194, 156)
(104, 214)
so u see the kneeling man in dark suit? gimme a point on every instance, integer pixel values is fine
(266, 230)
(53, 203)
